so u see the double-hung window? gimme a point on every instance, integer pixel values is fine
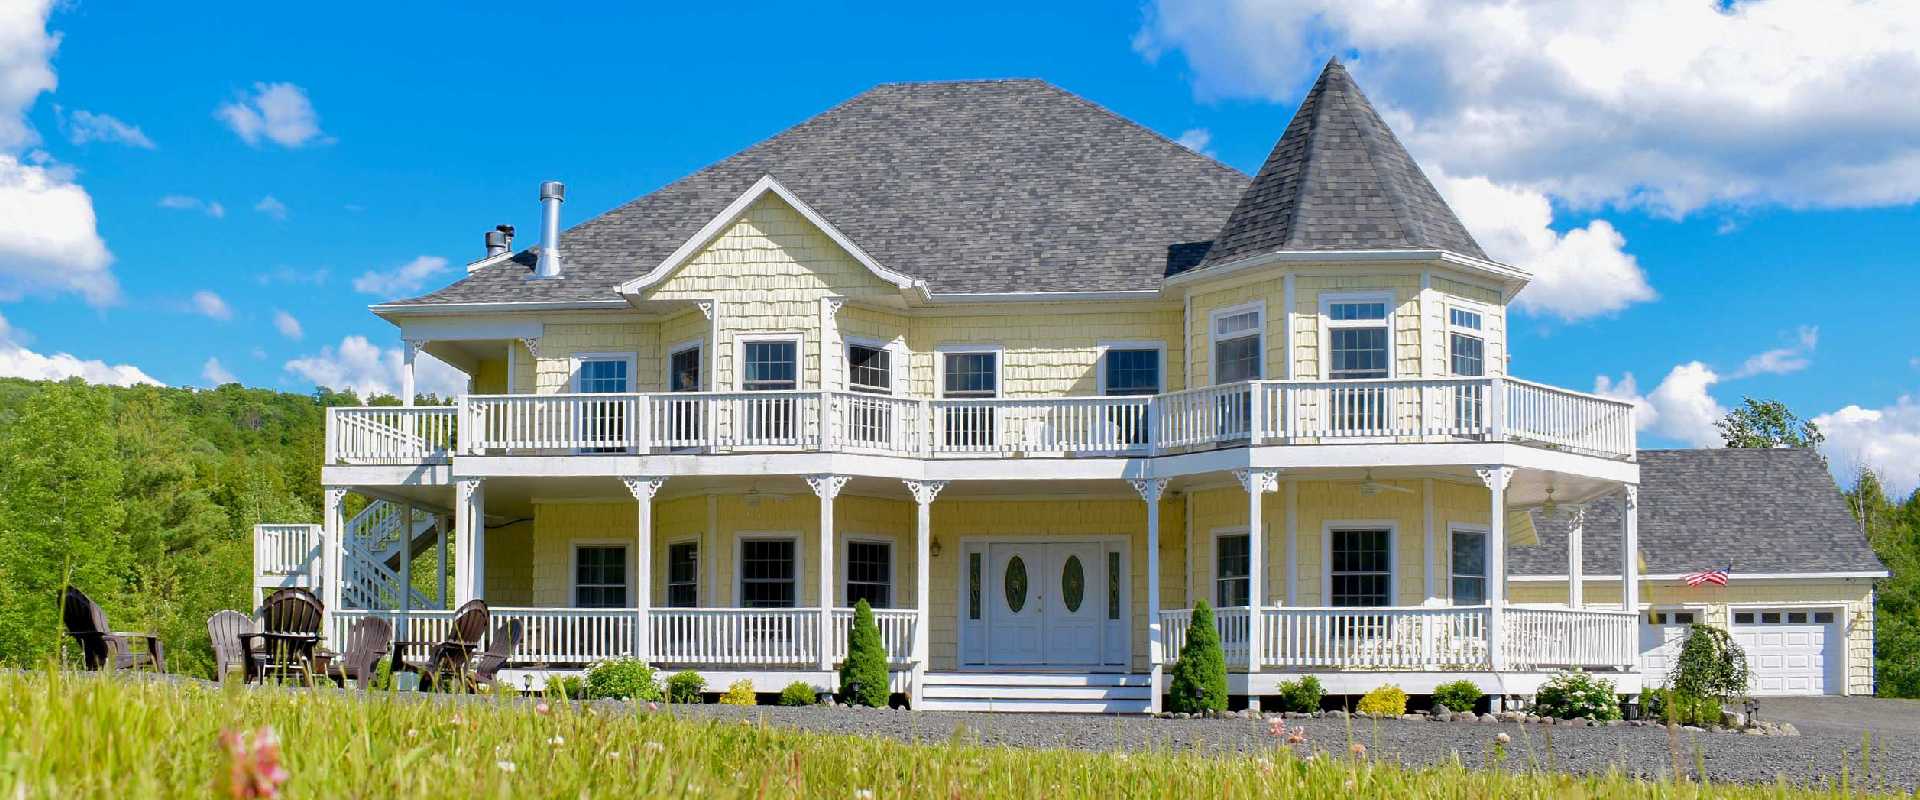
(1358, 349)
(1467, 358)
(1469, 567)
(603, 423)
(683, 574)
(969, 374)
(600, 576)
(1130, 371)
(1360, 570)
(870, 372)
(771, 365)
(686, 419)
(1239, 347)
(870, 573)
(769, 573)
(1232, 586)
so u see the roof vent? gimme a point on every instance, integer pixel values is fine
(499, 241)
(552, 194)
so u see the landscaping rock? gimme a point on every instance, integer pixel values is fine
(1489, 719)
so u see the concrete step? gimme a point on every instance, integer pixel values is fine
(1037, 679)
(1038, 706)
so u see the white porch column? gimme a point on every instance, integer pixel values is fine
(1496, 479)
(1576, 556)
(406, 571)
(1257, 482)
(643, 489)
(1150, 490)
(826, 487)
(409, 349)
(923, 493)
(1292, 513)
(1435, 595)
(1630, 549)
(440, 579)
(469, 532)
(333, 523)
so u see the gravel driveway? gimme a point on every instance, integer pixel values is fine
(1846, 715)
(1814, 757)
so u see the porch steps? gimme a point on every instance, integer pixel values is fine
(1045, 692)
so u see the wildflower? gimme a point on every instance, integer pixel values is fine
(651, 706)
(1502, 738)
(863, 794)
(256, 770)
(557, 740)
(1297, 737)
(1276, 727)
(542, 708)
(1358, 750)
(655, 747)
(505, 766)
(413, 733)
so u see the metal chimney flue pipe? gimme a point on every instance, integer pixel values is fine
(499, 240)
(552, 194)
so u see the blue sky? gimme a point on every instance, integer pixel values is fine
(421, 132)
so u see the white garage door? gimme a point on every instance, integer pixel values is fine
(1790, 651)
(1661, 635)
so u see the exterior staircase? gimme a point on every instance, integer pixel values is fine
(1046, 692)
(375, 542)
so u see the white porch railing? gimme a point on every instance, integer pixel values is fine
(773, 636)
(286, 550)
(896, 632)
(1263, 412)
(1418, 638)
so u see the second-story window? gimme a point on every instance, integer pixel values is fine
(686, 419)
(771, 365)
(683, 370)
(1357, 349)
(1237, 345)
(965, 375)
(1130, 371)
(1467, 358)
(604, 425)
(869, 421)
(869, 369)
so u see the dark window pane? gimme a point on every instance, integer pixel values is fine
(683, 575)
(1361, 568)
(767, 578)
(869, 369)
(1743, 618)
(600, 577)
(973, 586)
(1231, 568)
(685, 371)
(1236, 359)
(770, 366)
(1133, 372)
(602, 376)
(1463, 318)
(1358, 353)
(1683, 617)
(971, 374)
(1113, 586)
(1357, 311)
(1468, 355)
(1823, 617)
(870, 573)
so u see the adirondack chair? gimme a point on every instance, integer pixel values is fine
(449, 657)
(506, 639)
(101, 647)
(229, 631)
(367, 643)
(290, 630)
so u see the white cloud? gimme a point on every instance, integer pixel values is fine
(1659, 104)
(215, 374)
(291, 276)
(277, 112)
(1197, 140)
(272, 207)
(26, 68)
(17, 361)
(1680, 408)
(1887, 440)
(404, 279)
(1783, 360)
(287, 325)
(1585, 272)
(368, 370)
(85, 126)
(181, 202)
(210, 305)
(49, 239)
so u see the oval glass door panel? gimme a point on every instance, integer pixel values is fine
(1016, 584)
(1073, 584)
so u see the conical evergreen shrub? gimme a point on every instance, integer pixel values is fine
(863, 676)
(1199, 679)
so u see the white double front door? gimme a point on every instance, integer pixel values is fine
(1044, 603)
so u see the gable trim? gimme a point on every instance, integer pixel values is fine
(729, 215)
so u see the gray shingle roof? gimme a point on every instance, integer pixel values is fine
(978, 186)
(1762, 510)
(1339, 180)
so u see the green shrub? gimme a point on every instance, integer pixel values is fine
(1575, 694)
(1675, 707)
(1199, 679)
(567, 687)
(740, 693)
(1303, 695)
(797, 693)
(1385, 701)
(1710, 664)
(622, 679)
(1461, 695)
(863, 676)
(685, 687)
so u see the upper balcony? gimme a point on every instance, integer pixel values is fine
(1229, 415)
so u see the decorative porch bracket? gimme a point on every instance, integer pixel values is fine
(923, 493)
(826, 487)
(1257, 482)
(643, 488)
(1496, 479)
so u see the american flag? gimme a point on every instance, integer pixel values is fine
(1717, 577)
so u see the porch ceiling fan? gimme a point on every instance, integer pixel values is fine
(1370, 487)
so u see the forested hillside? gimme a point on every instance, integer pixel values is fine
(1893, 526)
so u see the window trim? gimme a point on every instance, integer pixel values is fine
(699, 568)
(1222, 533)
(666, 365)
(1392, 528)
(629, 357)
(893, 566)
(1328, 324)
(1100, 363)
(799, 564)
(941, 352)
(1259, 308)
(573, 566)
(1449, 329)
(1486, 543)
(896, 354)
(740, 343)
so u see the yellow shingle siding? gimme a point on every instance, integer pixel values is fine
(490, 377)
(1446, 294)
(1047, 350)
(509, 565)
(1404, 317)
(561, 342)
(1270, 293)
(678, 330)
(1855, 596)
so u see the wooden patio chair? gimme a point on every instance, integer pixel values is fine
(449, 657)
(230, 632)
(290, 623)
(499, 652)
(102, 647)
(367, 643)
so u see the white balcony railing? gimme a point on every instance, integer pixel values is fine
(1261, 412)
(1418, 638)
(896, 632)
(286, 550)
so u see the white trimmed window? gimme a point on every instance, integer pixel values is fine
(1232, 570)
(869, 569)
(1238, 343)
(683, 368)
(683, 574)
(1358, 335)
(600, 576)
(1466, 343)
(869, 368)
(769, 572)
(770, 364)
(1468, 567)
(969, 372)
(1360, 567)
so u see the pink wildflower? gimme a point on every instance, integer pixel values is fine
(1276, 727)
(542, 708)
(255, 770)
(1359, 750)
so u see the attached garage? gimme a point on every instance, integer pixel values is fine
(1661, 635)
(1791, 651)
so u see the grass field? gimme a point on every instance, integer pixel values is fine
(85, 736)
